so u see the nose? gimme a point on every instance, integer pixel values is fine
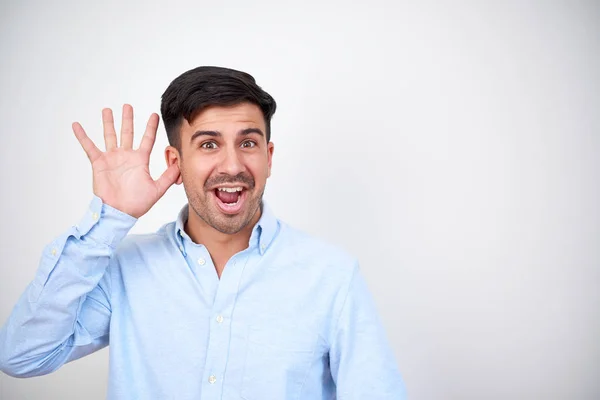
(231, 163)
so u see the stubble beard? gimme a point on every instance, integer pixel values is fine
(227, 224)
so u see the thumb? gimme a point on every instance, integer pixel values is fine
(167, 179)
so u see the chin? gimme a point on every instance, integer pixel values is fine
(229, 225)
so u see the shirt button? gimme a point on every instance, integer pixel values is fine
(201, 261)
(212, 379)
(219, 318)
(53, 252)
(263, 247)
(181, 248)
(95, 216)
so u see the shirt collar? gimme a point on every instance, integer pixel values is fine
(262, 235)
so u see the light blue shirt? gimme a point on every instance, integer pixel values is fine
(291, 317)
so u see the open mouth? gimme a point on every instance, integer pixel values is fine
(230, 199)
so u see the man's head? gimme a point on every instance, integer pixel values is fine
(218, 124)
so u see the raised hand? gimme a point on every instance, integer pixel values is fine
(121, 174)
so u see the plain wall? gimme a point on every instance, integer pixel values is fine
(452, 146)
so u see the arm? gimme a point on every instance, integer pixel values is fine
(361, 359)
(64, 314)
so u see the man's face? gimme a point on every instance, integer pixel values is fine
(225, 161)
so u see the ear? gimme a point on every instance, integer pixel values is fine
(270, 149)
(172, 156)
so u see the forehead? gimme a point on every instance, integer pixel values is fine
(221, 117)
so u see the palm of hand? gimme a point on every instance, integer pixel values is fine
(121, 174)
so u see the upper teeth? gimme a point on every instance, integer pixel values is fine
(231, 190)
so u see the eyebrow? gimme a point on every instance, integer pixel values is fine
(243, 132)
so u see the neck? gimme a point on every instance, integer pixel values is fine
(221, 246)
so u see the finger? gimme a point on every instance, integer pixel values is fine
(127, 127)
(110, 137)
(150, 134)
(167, 179)
(89, 147)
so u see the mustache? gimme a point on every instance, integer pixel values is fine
(241, 178)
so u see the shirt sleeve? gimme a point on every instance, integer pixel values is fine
(64, 313)
(361, 360)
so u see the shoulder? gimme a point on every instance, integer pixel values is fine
(141, 244)
(313, 251)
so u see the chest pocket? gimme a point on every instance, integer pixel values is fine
(277, 362)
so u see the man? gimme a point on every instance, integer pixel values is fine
(226, 302)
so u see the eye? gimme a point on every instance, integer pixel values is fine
(249, 144)
(209, 145)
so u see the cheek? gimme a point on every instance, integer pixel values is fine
(258, 165)
(194, 172)
(259, 173)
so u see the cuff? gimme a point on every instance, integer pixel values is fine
(104, 224)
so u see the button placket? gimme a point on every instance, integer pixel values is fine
(220, 332)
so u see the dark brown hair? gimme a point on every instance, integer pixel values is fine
(202, 87)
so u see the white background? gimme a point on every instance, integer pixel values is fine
(452, 147)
